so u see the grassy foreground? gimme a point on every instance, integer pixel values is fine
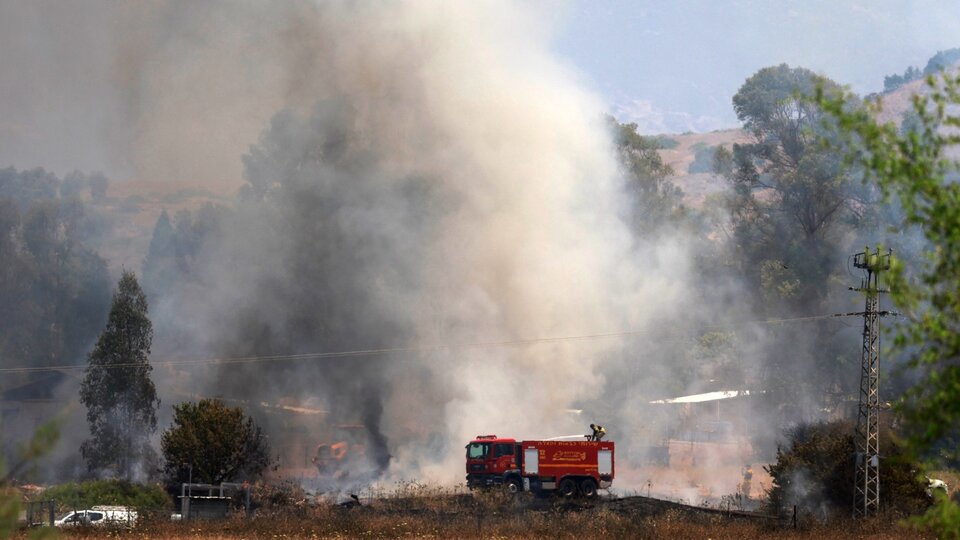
(493, 516)
(580, 525)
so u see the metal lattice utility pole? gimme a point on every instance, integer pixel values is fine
(866, 488)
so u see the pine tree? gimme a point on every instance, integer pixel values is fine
(160, 265)
(117, 390)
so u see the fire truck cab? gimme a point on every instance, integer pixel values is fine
(493, 460)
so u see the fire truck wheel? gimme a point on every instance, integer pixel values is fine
(513, 485)
(588, 488)
(567, 487)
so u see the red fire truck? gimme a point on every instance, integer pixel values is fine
(569, 467)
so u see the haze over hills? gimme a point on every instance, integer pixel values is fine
(691, 175)
(138, 204)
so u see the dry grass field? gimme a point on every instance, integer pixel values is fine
(497, 515)
(585, 524)
(582, 525)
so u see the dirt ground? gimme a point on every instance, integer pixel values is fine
(692, 485)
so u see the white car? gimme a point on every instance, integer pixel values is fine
(935, 484)
(99, 516)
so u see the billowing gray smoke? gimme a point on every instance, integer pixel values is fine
(450, 183)
(435, 177)
(413, 174)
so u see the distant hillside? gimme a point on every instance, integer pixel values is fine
(899, 101)
(942, 60)
(690, 159)
(137, 205)
(689, 154)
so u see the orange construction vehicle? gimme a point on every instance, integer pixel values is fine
(347, 453)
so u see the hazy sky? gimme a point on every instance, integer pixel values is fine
(674, 65)
(94, 85)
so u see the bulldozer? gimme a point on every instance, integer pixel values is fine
(345, 455)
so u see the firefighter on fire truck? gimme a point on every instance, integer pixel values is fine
(598, 433)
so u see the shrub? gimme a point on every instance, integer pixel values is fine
(702, 158)
(815, 471)
(218, 442)
(666, 143)
(107, 492)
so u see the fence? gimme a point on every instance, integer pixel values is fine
(40, 513)
(197, 501)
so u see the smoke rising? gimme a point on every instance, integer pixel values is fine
(450, 182)
(412, 174)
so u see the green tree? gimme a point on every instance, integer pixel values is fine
(25, 187)
(941, 60)
(54, 289)
(892, 82)
(789, 189)
(792, 202)
(219, 443)
(814, 471)
(73, 495)
(160, 265)
(658, 201)
(919, 169)
(117, 390)
(703, 158)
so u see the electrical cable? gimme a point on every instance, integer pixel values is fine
(408, 349)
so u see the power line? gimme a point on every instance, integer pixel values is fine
(407, 349)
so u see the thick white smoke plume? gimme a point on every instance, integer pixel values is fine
(517, 232)
(437, 177)
(474, 198)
